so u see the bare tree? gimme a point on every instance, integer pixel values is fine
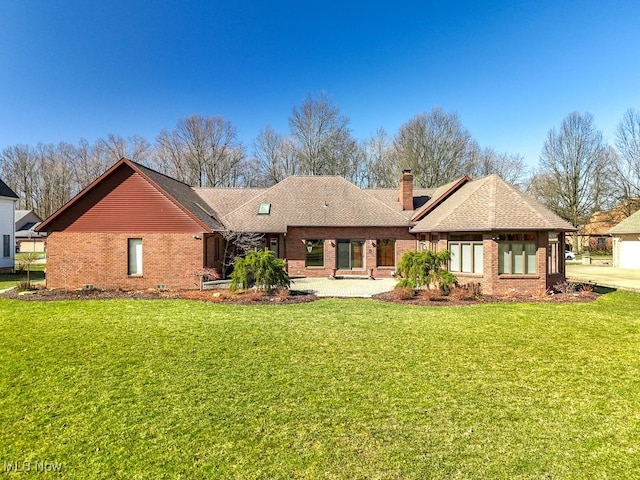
(237, 244)
(134, 148)
(18, 167)
(436, 148)
(322, 139)
(380, 166)
(89, 163)
(201, 151)
(627, 166)
(53, 187)
(573, 165)
(275, 156)
(511, 168)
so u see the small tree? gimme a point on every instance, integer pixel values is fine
(420, 269)
(261, 269)
(24, 264)
(237, 245)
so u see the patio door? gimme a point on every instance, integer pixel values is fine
(350, 255)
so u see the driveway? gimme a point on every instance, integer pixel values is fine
(605, 275)
(343, 287)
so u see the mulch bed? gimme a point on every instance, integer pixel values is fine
(216, 296)
(251, 297)
(429, 299)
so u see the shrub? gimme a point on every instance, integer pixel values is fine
(24, 286)
(566, 287)
(259, 269)
(403, 293)
(425, 269)
(432, 295)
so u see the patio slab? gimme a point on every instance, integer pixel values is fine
(343, 287)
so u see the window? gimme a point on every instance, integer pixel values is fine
(273, 245)
(553, 256)
(264, 209)
(467, 253)
(350, 254)
(6, 246)
(315, 253)
(386, 252)
(135, 256)
(517, 254)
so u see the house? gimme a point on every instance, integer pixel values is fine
(626, 242)
(27, 239)
(594, 236)
(136, 228)
(7, 227)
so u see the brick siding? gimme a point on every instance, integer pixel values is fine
(76, 259)
(495, 284)
(295, 249)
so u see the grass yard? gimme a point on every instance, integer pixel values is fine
(332, 389)
(8, 280)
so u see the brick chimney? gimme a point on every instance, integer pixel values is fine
(406, 190)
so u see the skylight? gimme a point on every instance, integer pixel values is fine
(264, 209)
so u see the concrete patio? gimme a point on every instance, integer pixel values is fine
(343, 287)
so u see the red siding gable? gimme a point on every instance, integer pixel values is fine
(125, 201)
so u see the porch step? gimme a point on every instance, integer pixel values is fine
(210, 285)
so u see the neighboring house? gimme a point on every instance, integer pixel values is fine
(27, 239)
(136, 228)
(594, 236)
(626, 242)
(7, 228)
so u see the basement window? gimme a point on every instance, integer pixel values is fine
(264, 209)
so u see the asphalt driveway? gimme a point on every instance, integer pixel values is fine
(605, 276)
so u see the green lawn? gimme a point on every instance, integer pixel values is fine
(8, 280)
(333, 389)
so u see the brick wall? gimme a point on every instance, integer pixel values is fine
(76, 259)
(495, 284)
(295, 248)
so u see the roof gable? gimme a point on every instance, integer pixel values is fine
(489, 204)
(630, 225)
(26, 219)
(128, 197)
(5, 191)
(439, 195)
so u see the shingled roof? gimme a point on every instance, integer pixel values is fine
(490, 204)
(5, 191)
(630, 225)
(318, 201)
(225, 200)
(184, 194)
(181, 194)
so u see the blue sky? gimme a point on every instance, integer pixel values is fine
(512, 70)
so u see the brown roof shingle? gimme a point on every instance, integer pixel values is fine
(323, 201)
(490, 204)
(185, 195)
(630, 225)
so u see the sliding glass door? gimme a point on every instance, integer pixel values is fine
(350, 255)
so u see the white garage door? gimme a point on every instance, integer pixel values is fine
(630, 254)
